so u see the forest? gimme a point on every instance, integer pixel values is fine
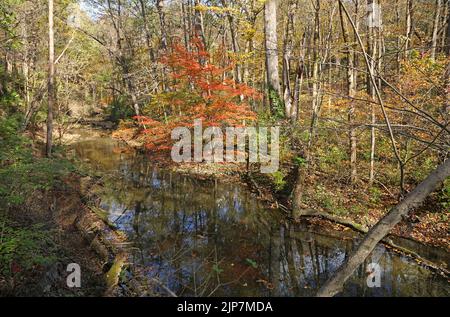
(268, 148)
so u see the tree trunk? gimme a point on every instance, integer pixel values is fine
(51, 80)
(399, 41)
(447, 36)
(287, 50)
(316, 75)
(414, 199)
(409, 26)
(162, 23)
(351, 91)
(199, 27)
(297, 211)
(434, 37)
(374, 51)
(234, 44)
(271, 43)
(299, 81)
(186, 33)
(444, 30)
(148, 39)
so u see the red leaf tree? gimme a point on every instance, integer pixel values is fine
(199, 90)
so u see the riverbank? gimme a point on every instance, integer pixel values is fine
(52, 223)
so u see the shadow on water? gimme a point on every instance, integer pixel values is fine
(206, 238)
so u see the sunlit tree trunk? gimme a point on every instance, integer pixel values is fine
(316, 75)
(162, 23)
(287, 51)
(199, 26)
(374, 46)
(351, 91)
(409, 26)
(434, 37)
(271, 45)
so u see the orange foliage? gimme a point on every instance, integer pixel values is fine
(200, 91)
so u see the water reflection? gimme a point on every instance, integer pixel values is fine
(204, 238)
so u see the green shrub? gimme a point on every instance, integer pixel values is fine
(20, 173)
(324, 198)
(278, 180)
(444, 195)
(300, 161)
(119, 109)
(277, 104)
(375, 195)
(332, 159)
(423, 169)
(24, 248)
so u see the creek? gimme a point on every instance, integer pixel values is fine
(212, 238)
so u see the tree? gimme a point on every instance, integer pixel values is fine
(201, 93)
(351, 92)
(434, 36)
(409, 26)
(289, 104)
(51, 80)
(374, 43)
(271, 45)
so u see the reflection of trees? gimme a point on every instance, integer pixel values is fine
(196, 237)
(196, 229)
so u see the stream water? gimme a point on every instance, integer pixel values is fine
(207, 238)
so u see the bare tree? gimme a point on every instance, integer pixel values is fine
(351, 92)
(409, 26)
(434, 36)
(271, 43)
(287, 52)
(51, 80)
(234, 42)
(374, 47)
(162, 23)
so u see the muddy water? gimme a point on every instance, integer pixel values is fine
(206, 238)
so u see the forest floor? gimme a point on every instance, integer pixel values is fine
(53, 214)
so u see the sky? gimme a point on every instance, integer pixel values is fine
(89, 9)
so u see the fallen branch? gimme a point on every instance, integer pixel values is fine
(386, 241)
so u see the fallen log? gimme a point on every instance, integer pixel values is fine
(377, 233)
